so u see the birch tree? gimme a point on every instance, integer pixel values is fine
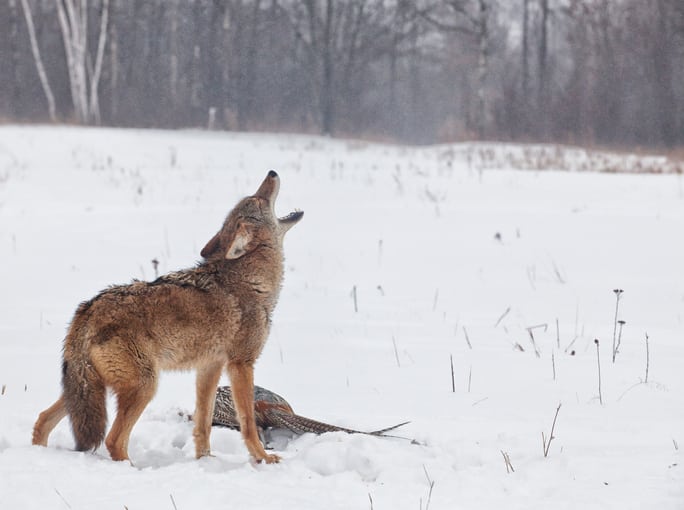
(44, 82)
(84, 75)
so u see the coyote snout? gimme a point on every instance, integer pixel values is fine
(213, 316)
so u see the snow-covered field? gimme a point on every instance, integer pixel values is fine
(406, 259)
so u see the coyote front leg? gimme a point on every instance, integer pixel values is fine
(207, 382)
(242, 382)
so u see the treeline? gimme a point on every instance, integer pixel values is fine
(579, 71)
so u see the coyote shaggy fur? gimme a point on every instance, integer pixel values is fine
(213, 316)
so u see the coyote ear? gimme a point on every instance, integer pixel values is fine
(239, 244)
(211, 247)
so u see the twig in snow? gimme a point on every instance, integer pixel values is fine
(371, 500)
(507, 461)
(353, 293)
(4, 387)
(598, 360)
(619, 338)
(629, 389)
(173, 502)
(502, 316)
(648, 360)
(560, 278)
(470, 377)
(553, 365)
(557, 334)
(400, 186)
(572, 342)
(435, 200)
(532, 275)
(534, 343)
(62, 498)
(453, 380)
(434, 301)
(546, 443)
(432, 485)
(396, 354)
(465, 332)
(618, 294)
(674, 442)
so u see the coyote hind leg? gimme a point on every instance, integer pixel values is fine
(131, 402)
(48, 420)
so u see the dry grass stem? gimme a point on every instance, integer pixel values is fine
(546, 444)
(501, 317)
(507, 461)
(598, 361)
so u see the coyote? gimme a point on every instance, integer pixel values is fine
(213, 316)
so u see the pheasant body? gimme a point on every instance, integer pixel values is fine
(273, 411)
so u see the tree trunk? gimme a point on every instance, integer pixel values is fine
(525, 65)
(482, 67)
(542, 77)
(214, 62)
(113, 71)
(73, 24)
(662, 66)
(94, 102)
(327, 108)
(47, 90)
(15, 59)
(251, 63)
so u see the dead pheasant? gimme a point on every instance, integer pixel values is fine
(273, 411)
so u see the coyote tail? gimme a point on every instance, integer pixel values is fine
(84, 392)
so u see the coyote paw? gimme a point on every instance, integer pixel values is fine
(203, 453)
(269, 459)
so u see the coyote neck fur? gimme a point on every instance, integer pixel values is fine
(230, 275)
(250, 270)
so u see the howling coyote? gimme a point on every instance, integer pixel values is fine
(213, 316)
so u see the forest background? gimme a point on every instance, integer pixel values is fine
(590, 72)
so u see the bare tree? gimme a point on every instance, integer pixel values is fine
(470, 18)
(14, 55)
(663, 72)
(341, 39)
(542, 54)
(84, 76)
(44, 82)
(525, 52)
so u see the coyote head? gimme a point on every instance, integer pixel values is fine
(252, 223)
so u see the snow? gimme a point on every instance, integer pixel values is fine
(436, 243)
